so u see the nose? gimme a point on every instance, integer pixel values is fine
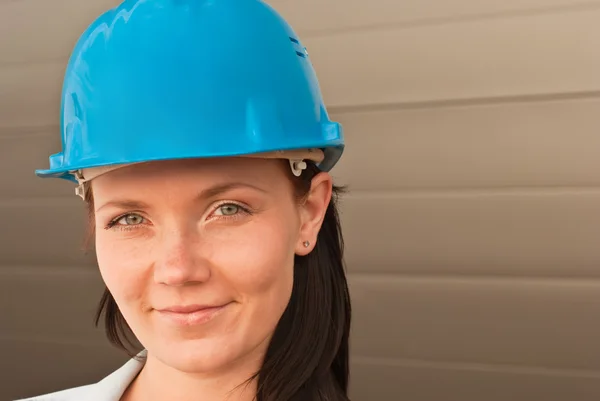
(180, 260)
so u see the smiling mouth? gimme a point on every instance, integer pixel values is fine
(190, 315)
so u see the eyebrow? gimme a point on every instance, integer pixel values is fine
(206, 193)
(222, 188)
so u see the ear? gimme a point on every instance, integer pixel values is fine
(312, 212)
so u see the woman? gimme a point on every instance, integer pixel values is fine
(196, 133)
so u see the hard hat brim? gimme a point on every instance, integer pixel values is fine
(66, 171)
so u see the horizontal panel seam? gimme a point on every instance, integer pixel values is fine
(473, 366)
(434, 104)
(476, 280)
(55, 341)
(471, 192)
(12, 131)
(47, 271)
(451, 20)
(374, 361)
(91, 272)
(375, 194)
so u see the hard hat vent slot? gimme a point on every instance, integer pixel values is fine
(302, 53)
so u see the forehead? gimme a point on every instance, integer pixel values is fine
(202, 172)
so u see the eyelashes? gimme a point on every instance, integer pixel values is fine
(226, 210)
(123, 221)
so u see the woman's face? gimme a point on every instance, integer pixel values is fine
(198, 254)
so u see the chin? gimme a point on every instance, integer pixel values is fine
(204, 355)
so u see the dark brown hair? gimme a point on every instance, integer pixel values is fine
(308, 356)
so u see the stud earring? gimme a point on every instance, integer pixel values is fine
(306, 244)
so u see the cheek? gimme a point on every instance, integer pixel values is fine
(120, 265)
(257, 261)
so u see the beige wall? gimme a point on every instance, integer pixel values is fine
(473, 131)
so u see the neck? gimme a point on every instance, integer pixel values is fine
(158, 381)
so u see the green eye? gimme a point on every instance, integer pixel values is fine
(131, 220)
(229, 209)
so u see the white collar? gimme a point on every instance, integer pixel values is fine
(112, 387)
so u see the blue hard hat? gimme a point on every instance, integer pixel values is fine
(170, 79)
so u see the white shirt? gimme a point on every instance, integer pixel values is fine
(111, 388)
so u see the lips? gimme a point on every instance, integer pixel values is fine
(186, 308)
(190, 315)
